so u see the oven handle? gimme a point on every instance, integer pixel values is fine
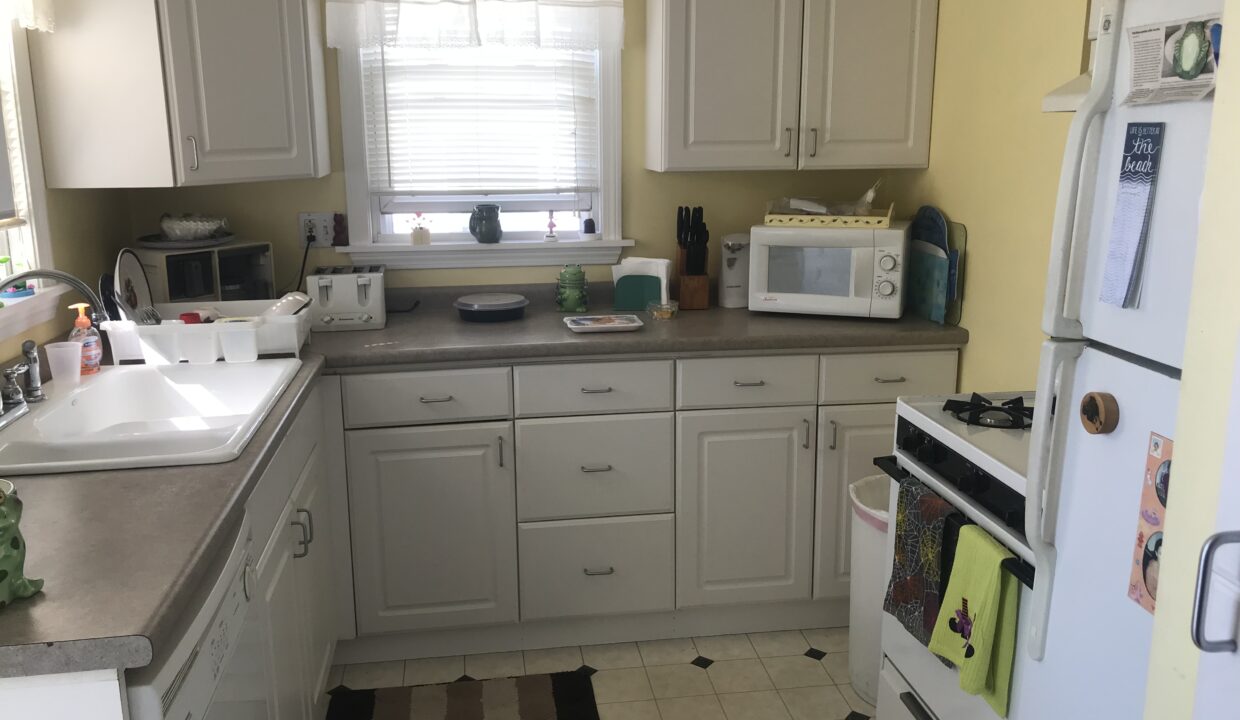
(1057, 364)
(914, 707)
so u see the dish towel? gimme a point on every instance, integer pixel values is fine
(977, 630)
(913, 595)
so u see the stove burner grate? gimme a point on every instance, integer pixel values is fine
(981, 411)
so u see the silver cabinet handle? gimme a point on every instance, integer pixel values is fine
(501, 449)
(788, 139)
(305, 539)
(594, 573)
(193, 143)
(889, 381)
(309, 524)
(813, 150)
(595, 391)
(835, 434)
(808, 426)
(1204, 569)
(760, 383)
(432, 400)
(245, 580)
(595, 468)
(914, 706)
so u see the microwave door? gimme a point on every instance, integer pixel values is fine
(809, 278)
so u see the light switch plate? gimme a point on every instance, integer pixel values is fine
(321, 225)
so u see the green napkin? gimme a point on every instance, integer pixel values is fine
(976, 628)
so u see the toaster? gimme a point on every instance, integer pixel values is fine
(347, 298)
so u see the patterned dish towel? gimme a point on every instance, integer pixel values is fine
(914, 594)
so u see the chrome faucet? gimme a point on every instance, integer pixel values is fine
(14, 402)
(34, 382)
(97, 312)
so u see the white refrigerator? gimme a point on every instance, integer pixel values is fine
(1084, 639)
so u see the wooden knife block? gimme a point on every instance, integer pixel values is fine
(693, 291)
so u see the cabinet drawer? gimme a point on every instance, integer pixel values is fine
(592, 388)
(746, 382)
(421, 398)
(881, 377)
(594, 466)
(597, 567)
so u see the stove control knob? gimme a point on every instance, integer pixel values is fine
(887, 262)
(912, 441)
(886, 288)
(927, 452)
(981, 481)
(1015, 518)
(328, 319)
(366, 318)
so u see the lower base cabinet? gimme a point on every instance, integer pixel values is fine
(744, 505)
(433, 514)
(849, 438)
(597, 566)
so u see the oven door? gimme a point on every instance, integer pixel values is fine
(814, 272)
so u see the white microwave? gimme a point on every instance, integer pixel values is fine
(829, 271)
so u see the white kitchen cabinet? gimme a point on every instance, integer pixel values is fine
(279, 594)
(789, 84)
(433, 515)
(316, 580)
(724, 78)
(867, 83)
(849, 438)
(160, 93)
(744, 505)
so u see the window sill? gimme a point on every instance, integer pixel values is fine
(478, 255)
(19, 315)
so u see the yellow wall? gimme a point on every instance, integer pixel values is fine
(87, 228)
(994, 166)
(1210, 362)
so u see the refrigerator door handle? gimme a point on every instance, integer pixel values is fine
(1061, 312)
(1048, 435)
(1205, 569)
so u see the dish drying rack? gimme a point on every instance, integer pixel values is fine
(170, 343)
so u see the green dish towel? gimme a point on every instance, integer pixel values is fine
(976, 628)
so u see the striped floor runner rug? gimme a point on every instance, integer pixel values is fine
(562, 696)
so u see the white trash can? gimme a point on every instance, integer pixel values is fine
(867, 584)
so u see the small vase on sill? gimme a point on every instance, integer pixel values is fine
(484, 224)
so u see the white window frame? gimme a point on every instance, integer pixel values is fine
(367, 245)
(18, 316)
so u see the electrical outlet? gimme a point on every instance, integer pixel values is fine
(320, 225)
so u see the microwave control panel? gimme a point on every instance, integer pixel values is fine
(888, 274)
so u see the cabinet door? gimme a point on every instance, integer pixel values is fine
(868, 83)
(238, 89)
(849, 438)
(729, 72)
(433, 513)
(315, 579)
(744, 505)
(280, 598)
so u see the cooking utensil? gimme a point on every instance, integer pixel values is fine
(147, 315)
(107, 293)
(131, 286)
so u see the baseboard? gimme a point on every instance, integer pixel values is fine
(693, 622)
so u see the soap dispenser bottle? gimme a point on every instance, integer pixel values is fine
(85, 333)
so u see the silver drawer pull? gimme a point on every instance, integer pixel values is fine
(595, 468)
(595, 391)
(890, 381)
(433, 400)
(760, 383)
(594, 573)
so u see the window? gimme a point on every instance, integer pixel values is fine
(24, 238)
(447, 109)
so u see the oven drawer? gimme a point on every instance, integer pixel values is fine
(747, 382)
(594, 388)
(597, 567)
(882, 377)
(422, 398)
(896, 700)
(594, 466)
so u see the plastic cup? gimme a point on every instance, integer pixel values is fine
(64, 359)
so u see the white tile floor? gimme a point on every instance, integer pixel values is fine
(761, 676)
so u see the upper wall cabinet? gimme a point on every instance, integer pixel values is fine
(160, 93)
(789, 84)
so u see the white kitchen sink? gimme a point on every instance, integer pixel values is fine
(146, 416)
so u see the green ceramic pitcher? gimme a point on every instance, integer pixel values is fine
(14, 585)
(484, 224)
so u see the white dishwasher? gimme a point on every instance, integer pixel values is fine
(216, 669)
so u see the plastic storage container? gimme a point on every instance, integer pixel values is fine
(867, 582)
(238, 340)
(200, 344)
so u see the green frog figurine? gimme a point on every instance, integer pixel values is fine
(570, 291)
(14, 585)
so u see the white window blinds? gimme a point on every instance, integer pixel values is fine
(483, 120)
